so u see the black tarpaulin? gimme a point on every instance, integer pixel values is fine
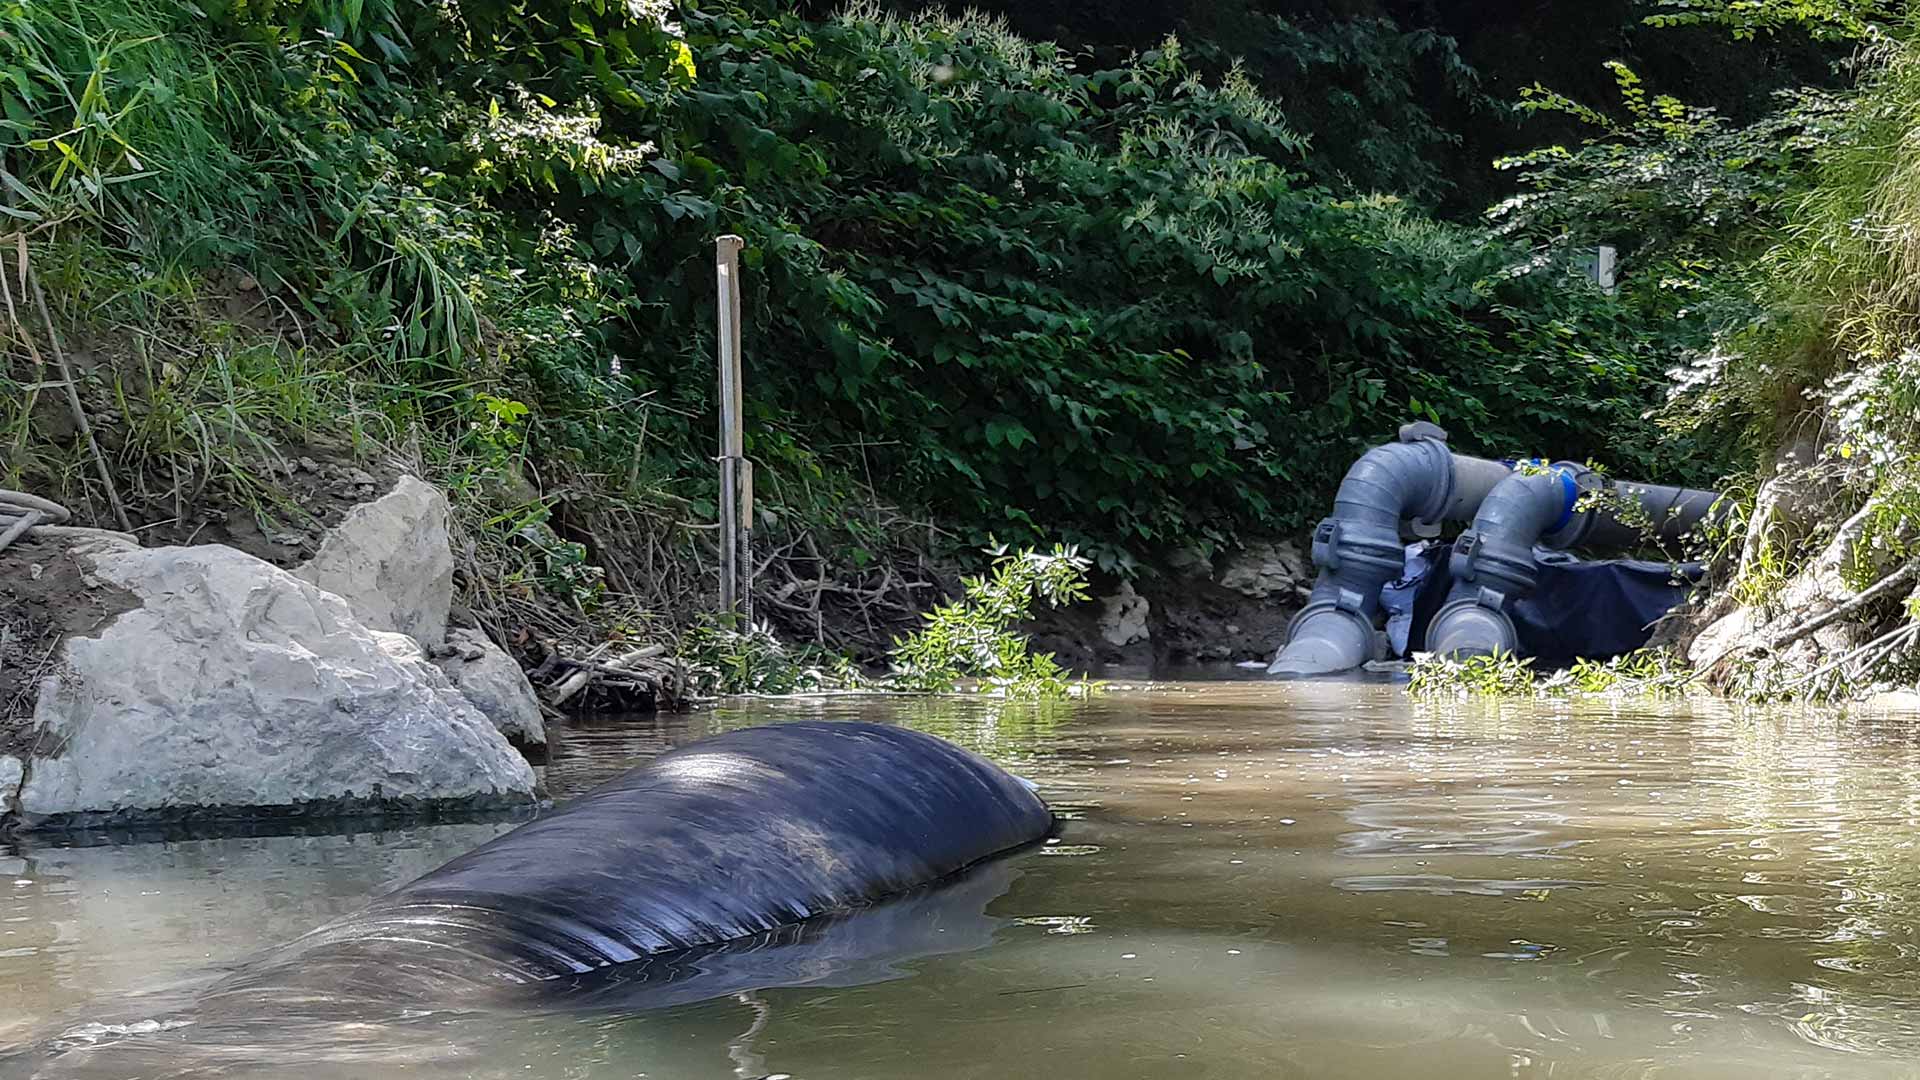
(1597, 609)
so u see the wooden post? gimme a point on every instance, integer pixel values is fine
(736, 492)
(745, 505)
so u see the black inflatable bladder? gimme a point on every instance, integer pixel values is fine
(464, 1036)
(795, 854)
(856, 948)
(729, 837)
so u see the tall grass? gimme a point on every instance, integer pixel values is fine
(244, 227)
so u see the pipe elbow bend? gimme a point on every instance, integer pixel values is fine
(1397, 480)
(1493, 561)
(1326, 638)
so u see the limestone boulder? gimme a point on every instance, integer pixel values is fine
(235, 689)
(1820, 585)
(1798, 493)
(1123, 617)
(12, 772)
(1268, 571)
(1895, 701)
(494, 683)
(1734, 630)
(392, 562)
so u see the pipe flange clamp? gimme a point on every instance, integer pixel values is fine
(1338, 607)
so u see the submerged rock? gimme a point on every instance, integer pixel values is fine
(1895, 701)
(494, 683)
(391, 561)
(235, 689)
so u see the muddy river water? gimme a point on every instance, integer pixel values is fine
(1253, 880)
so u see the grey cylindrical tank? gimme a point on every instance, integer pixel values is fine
(1493, 561)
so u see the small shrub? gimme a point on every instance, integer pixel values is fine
(723, 660)
(1494, 675)
(1644, 672)
(973, 637)
(968, 639)
(1647, 672)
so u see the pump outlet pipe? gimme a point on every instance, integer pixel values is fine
(1358, 549)
(1493, 563)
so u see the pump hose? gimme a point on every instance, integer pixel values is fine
(20, 511)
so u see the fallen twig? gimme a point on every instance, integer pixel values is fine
(647, 653)
(28, 279)
(585, 671)
(1877, 591)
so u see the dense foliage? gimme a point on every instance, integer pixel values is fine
(1415, 97)
(1799, 242)
(1840, 336)
(1102, 305)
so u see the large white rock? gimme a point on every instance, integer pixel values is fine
(494, 683)
(391, 561)
(1792, 500)
(1734, 630)
(1895, 701)
(1820, 586)
(237, 688)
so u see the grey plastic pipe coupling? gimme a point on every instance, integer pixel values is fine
(1358, 548)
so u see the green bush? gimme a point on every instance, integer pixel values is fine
(973, 638)
(1645, 673)
(982, 282)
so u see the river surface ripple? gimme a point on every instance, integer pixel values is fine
(1253, 880)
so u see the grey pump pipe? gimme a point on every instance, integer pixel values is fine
(1358, 549)
(1493, 563)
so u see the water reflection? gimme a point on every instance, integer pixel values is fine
(176, 1032)
(1253, 880)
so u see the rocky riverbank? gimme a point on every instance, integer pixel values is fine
(1812, 592)
(204, 682)
(320, 669)
(1231, 607)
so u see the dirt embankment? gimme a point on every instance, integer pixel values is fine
(1233, 607)
(299, 497)
(1813, 596)
(46, 597)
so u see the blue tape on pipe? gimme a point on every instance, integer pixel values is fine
(1568, 485)
(1572, 491)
